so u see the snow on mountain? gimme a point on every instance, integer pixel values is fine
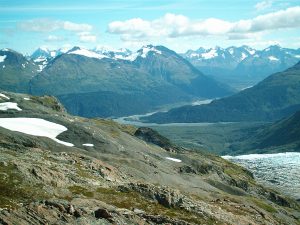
(2, 58)
(143, 52)
(87, 53)
(273, 58)
(4, 96)
(36, 127)
(9, 105)
(212, 53)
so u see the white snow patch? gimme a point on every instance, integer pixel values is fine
(252, 51)
(243, 56)
(297, 56)
(2, 58)
(88, 53)
(40, 59)
(173, 159)
(211, 54)
(52, 53)
(88, 144)
(23, 65)
(27, 99)
(9, 105)
(273, 58)
(202, 102)
(36, 127)
(3, 66)
(231, 51)
(3, 96)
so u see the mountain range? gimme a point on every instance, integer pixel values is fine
(242, 66)
(102, 83)
(275, 97)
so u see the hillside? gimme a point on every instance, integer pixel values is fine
(57, 168)
(275, 97)
(281, 136)
(15, 71)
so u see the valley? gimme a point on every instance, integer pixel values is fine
(150, 112)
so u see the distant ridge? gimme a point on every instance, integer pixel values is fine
(275, 97)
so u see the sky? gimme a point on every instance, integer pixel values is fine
(180, 25)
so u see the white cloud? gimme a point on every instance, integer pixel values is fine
(47, 25)
(263, 5)
(172, 26)
(87, 37)
(76, 27)
(54, 38)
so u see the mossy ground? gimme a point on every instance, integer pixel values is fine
(131, 199)
(15, 190)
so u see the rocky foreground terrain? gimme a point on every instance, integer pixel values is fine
(115, 174)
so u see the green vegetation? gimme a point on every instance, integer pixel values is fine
(15, 189)
(213, 138)
(263, 205)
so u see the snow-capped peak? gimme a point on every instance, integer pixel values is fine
(211, 53)
(146, 49)
(86, 53)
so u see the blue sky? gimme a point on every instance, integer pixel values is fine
(179, 25)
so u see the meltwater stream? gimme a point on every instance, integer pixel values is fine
(281, 170)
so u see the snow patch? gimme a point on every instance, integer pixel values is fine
(9, 105)
(252, 51)
(4, 96)
(35, 126)
(2, 58)
(27, 99)
(202, 102)
(243, 56)
(273, 58)
(173, 159)
(88, 144)
(39, 59)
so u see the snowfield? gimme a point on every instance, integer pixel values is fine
(173, 159)
(9, 105)
(36, 127)
(4, 96)
(88, 144)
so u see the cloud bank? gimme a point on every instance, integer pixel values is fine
(82, 30)
(173, 26)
